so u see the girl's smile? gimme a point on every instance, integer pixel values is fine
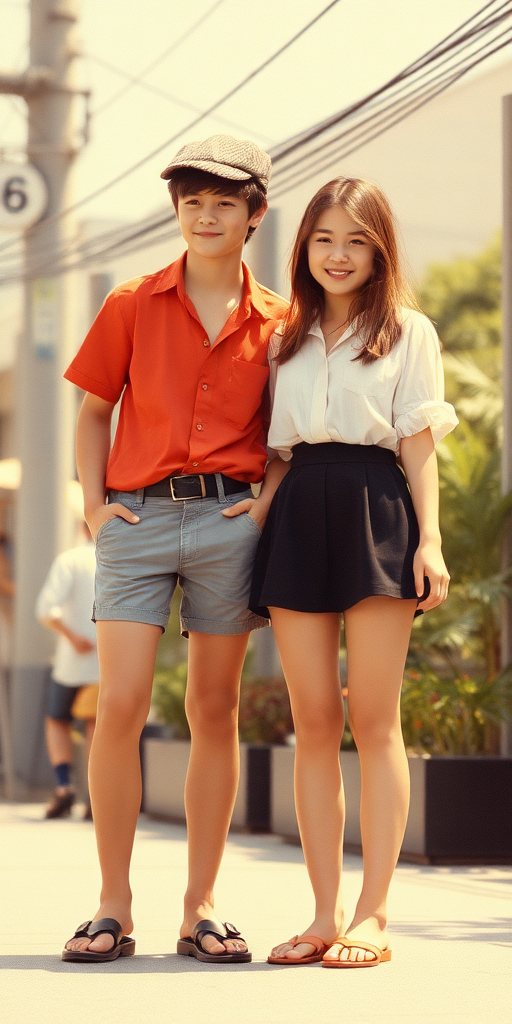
(340, 253)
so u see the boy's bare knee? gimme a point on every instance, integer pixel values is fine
(122, 711)
(212, 712)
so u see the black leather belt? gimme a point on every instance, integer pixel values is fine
(198, 485)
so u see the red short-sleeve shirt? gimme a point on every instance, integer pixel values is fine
(187, 406)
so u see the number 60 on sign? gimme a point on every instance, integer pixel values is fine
(23, 195)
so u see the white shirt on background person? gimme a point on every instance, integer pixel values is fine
(319, 397)
(68, 594)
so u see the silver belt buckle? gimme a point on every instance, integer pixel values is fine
(188, 497)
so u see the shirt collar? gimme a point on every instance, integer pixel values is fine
(316, 330)
(171, 277)
(252, 295)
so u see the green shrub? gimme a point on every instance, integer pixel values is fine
(169, 689)
(453, 716)
(265, 714)
(439, 716)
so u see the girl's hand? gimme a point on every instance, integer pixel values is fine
(251, 506)
(100, 515)
(428, 561)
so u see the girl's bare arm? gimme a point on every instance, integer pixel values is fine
(258, 507)
(420, 464)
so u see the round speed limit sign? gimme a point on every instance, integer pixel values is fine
(23, 195)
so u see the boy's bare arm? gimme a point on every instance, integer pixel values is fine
(92, 451)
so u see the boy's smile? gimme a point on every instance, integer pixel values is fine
(215, 225)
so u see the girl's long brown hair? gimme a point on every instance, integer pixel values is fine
(377, 306)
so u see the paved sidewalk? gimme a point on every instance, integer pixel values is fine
(452, 937)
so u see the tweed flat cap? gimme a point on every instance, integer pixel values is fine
(238, 159)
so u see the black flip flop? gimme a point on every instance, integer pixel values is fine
(192, 946)
(90, 930)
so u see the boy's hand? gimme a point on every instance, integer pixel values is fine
(104, 512)
(252, 507)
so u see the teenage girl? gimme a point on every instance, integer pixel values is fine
(357, 380)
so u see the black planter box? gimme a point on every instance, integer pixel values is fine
(468, 808)
(165, 766)
(460, 811)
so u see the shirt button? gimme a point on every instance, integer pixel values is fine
(199, 426)
(205, 387)
(206, 343)
(195, 463)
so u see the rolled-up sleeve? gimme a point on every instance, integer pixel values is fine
(419, 397)
(102, 362)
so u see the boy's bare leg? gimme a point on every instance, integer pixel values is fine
(215, 667)
(127, 652)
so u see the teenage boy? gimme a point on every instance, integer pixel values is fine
(187, 349)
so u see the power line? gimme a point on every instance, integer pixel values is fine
(192, 124)
(154, 63)
(137, 235)
(370, 136)
(451, 73)
(484, 26)
(285, 177)
(380, 115)
(155, 89)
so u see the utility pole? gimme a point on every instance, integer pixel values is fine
(45, 405)
(506, 476)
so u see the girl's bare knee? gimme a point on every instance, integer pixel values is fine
(320, 728)
(373, 731)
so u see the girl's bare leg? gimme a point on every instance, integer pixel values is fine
(377, 633)
(213, 687)
(127, 652)
(309, 649)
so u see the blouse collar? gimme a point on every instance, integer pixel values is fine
(317, 332)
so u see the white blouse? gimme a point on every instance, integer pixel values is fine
(319, 397)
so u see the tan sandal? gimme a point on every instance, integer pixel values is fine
(315, 958)
(381, 956)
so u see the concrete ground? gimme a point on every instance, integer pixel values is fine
(451, 928)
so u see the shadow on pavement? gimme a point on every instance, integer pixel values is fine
(497, 930)
(161, 963)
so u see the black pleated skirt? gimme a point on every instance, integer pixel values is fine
(341, 528)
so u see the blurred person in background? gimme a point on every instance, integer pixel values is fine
(65, 607)
(7, 591)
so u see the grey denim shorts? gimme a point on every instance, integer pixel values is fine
(139, 564)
